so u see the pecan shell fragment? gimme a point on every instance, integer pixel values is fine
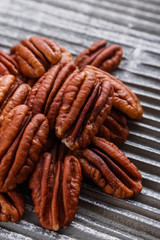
(100, 56)
(55, 186)
(21, 142)
(85, 104)
(11, 206)
(110, 169)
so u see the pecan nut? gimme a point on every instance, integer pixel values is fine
(7, 85)
(85, 104)
(110, 169)
(11, 206)
(8, 65)
(53, 111)
(100, 56)
(114, 128)
(21, 142)
(12, 95)
(66, 56)
(123, 98)
(55, 186)
(46, 88)
(35, 56)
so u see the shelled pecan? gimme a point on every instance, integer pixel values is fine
(46, 88)
(110, 169)
(11, 206)
(123, 98)
(11, 94)
(85, 105)
(68, 110)
(114, 128)
(66, 56)
(9, 66)
(100, 56)
(36, 55)
(55, 186)
(21, 142)
(53, 111)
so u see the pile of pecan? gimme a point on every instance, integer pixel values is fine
(60, 120)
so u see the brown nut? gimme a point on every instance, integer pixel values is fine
(100, 56)
(7, 87)
(85, 105)
(66, 56)
(55, 186)
(11, 95)
(21, 142)
(114, 128)
(8, 65)
(45, 90)
(123, 98)
(36, 55)
(110, 169)
(53, 110)
(11, 206)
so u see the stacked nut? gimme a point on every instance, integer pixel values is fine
(62, 123)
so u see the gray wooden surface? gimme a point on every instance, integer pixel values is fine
(135, 25)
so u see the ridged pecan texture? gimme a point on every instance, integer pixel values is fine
(8, 65)
(66, 56)
(11, 94)
(21, 143)
(46, 95)
(114, 128)
(123, 98)
(100, 56)
(11, 206)
(55, 186)
(53, 110)
(85, 105)
(36, 55)
(110, 169)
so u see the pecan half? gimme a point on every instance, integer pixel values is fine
(53, 111)
(110, 169)
(123, 98)
(85, 104)
(46, 88)
(7, 86)
(11, 94)
(66, 56)
(100, 56)
(21, 142)
(55, 186)
(9, 66)
(36, 55)
(11, 206)
(114, 128)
